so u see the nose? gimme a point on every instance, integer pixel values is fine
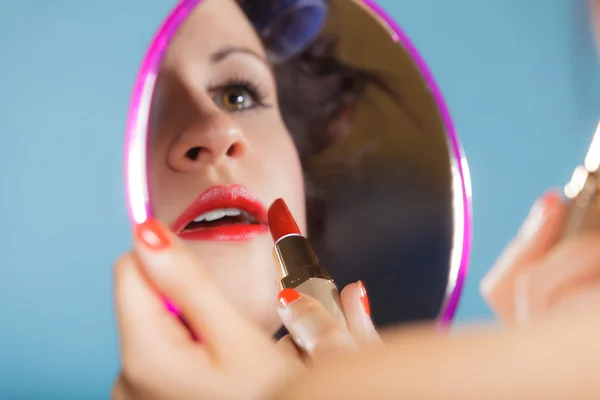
(211, 140)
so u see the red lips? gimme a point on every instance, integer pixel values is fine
(250, 223)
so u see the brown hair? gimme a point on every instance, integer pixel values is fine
(318, 95)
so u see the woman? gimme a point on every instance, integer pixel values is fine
(220, 130)
(220, 152)
(178, 367)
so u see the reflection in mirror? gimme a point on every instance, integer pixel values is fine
(323, 103)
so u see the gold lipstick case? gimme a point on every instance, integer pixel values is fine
(300, 270)
(583, 213)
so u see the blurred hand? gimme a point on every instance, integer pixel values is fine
(217, 353)
(537, 276)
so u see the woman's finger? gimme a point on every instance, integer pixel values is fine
(564, 271)
(357, 310)
(178, 274)
(536, 237)
(595, 17)
(143, 324)
(141, 316)
(287, 346)
(312, 327)
(584, 300)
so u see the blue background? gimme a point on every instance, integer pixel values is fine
(521, 79)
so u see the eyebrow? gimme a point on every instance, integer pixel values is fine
(227, 51)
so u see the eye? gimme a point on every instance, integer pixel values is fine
(237, 98)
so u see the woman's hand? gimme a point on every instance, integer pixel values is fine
(318, 332)
(537, 276)
(232, 357)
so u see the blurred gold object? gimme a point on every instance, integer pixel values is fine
(584, 209)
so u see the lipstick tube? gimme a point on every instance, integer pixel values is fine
(583, 212)
(300, 270)
(298, 265)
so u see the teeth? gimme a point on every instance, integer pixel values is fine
(232, 212)
(214, 215)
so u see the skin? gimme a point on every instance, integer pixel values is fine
(544, 289)
(547, 293)
(226, 292)
(595, 16)
(540, 277)
(546, 360)
(251, 147)
(550, 358)
(537, 276)
(233, 357)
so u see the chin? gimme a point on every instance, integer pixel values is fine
(265, 317)
(249, 280)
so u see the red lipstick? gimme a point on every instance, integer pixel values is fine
(224, 213)
(281, 221)
(297, 262)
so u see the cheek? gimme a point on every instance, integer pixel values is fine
(283, 163)
(167, 190)
(296, 195)
(156, 171)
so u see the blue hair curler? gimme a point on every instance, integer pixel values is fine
(289, 26)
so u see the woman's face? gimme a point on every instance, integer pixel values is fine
(218, 146)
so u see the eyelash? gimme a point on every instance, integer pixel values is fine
(246, 85)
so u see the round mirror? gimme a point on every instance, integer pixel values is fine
(326, 104)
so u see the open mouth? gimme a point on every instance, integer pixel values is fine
(223, 213)
(221, 217)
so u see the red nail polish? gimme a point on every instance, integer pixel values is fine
(364, 299)
(287, 296)
(152, 234)
(550, 198)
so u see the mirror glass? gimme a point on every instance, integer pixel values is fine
(326, 104)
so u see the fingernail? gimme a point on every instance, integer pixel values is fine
(152, 234)
(364, 299)
(287, 296)
(536, 216)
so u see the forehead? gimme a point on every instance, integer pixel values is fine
(212, 25)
